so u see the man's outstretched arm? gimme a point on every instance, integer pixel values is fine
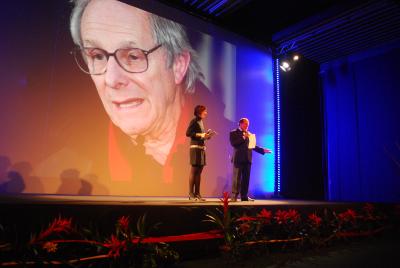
(262, 150)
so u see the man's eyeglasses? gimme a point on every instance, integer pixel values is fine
(93, 60)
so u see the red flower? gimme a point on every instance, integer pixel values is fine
(115, 246)
(347, 216)
(50, 247)
(58, 226)
(265, 215)
(225, 201)
(123, 222)
(285, 217)
(244, 228)
(293, 215)
(314, 220)
(280, 216)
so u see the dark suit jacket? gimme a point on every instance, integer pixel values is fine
(193, 128)
(242, 154)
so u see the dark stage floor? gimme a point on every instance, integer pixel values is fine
(147, 201)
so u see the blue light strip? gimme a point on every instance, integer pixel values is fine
(218, 5)
(278, 130)
(231, 6)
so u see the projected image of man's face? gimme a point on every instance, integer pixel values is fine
(143, 102)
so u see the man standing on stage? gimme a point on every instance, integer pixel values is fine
(242, 158)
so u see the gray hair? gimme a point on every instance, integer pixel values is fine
(170, 34)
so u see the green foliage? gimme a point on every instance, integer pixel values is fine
(245, 233)
(266, 231)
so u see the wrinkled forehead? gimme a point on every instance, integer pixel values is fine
(106, 20)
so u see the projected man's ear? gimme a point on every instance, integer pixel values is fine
(180, 66)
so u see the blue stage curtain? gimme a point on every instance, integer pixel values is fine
(362, 125)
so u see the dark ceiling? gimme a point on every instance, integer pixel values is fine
(309, 27)
(257, 20)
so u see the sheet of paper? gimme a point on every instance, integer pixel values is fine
(252, 141)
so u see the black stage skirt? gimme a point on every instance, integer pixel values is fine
(197, 157)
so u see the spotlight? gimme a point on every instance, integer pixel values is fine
(285, 66)
(288, 61)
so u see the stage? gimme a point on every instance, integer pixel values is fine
(46, 199)
(177, 215)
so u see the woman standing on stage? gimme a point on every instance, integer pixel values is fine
(197, 134)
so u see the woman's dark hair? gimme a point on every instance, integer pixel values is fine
(198, 110)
